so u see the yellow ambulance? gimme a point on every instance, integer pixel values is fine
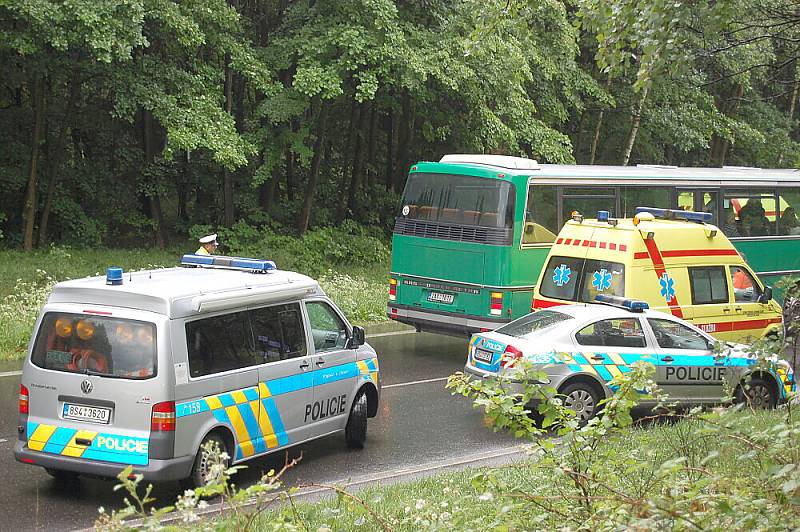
(674, 260)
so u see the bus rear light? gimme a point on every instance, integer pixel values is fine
(510, 357)
(163, 418)
(392, 289)
(496, 304)
(24, 398)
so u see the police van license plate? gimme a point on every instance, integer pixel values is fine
(92, 414)
(483, 356)
(438, 297)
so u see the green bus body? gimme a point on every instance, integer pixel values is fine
(443, 277)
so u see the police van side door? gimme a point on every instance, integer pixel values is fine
(285, 381)
(687, 369)
(335, 368)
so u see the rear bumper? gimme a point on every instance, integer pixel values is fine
(442, 322)
(154, 471)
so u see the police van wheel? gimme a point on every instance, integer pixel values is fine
(356, 430)
(204, 461)
(758, 392)
(582, 399)
(60, 475)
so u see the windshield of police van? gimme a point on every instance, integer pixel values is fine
(459, 199)
(96, 345)
(533, 324)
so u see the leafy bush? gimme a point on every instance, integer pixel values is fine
(18, 311)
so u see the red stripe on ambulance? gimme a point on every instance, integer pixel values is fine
(658, 264)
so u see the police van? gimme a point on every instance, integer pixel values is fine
(674, 260)
(144, 368)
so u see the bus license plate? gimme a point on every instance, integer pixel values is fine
(483, 356)
(438, 297)
(91, 414)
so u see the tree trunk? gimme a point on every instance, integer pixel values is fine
(372, 146)
(637, 119)
(724, 144)
(598, 126)
(153, 201)
(391, 134)
(311, 186)
(793, 103)
(29, 206)
(227, 178)
(352, 136)
(357, 177)
(404, 138)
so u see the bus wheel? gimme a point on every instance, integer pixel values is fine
(61, 476)
(212, 445)
(757, 393)
(582, 399)
(355, 432)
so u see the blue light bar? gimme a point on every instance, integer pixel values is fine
(673, 214)
(602, 216)
(231, 263)
(113, 276)
(634, 305)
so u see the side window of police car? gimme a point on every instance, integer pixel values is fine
(673, 335)
(620, 332)
(327, 328)
(220, 343)
(278, 332)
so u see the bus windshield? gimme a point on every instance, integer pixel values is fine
(459, 199)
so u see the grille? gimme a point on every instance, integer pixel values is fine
(457, 232)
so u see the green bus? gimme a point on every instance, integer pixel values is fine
(473, 231)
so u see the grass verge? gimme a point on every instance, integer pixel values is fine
(26, 280)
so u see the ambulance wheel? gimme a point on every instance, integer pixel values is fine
(204, 461)
(756, 393)
(582, 399)
(59, 475)
(356, 430)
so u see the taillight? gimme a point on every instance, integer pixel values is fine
(510, 357)
(392, 289)
(163, 419)
(496, 305)
(24, 397)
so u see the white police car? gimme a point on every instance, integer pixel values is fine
(583, 347)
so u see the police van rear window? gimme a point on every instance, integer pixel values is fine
(578, 279)
(96, 345)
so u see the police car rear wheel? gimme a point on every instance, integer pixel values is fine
(205, 460)
(759, 394)
(581, 399)
(356, 430)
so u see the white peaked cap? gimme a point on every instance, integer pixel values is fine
(209, 239)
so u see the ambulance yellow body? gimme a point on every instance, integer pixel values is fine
(674, 260)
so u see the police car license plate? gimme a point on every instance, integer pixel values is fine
(483, 356)
(438, 297)
(92, 414)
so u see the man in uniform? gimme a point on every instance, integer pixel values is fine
(208, 245)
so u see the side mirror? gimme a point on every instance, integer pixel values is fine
(358, 338)
(766, 296)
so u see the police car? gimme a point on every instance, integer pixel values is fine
(583, 347)
(144, 368)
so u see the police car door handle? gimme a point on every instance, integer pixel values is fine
(598, 357)
(83, 441)
(667, 359)
(320, 361)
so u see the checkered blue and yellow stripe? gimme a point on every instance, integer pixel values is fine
(253, 416)
(102, 446)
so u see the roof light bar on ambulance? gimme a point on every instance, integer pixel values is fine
(634, 305)
(674, 214)
(231, 263)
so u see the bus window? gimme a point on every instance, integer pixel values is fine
(588, 201)
(754, 211)
(632, 197)
(541, 223)
(458, 199)
(789, 223)
(700, 201)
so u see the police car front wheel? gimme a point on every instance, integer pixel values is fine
(356, 430)
(757, 393)
(582, 399)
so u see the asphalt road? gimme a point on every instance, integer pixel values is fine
(419, 427)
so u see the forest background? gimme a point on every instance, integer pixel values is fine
(142, 122)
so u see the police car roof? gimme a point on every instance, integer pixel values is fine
(596, 312)
(178, 292)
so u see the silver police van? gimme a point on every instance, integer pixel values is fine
(581, 348)
(144, 368)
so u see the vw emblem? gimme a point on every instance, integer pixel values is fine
(86, 386)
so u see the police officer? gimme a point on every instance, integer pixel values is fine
(208, 245)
